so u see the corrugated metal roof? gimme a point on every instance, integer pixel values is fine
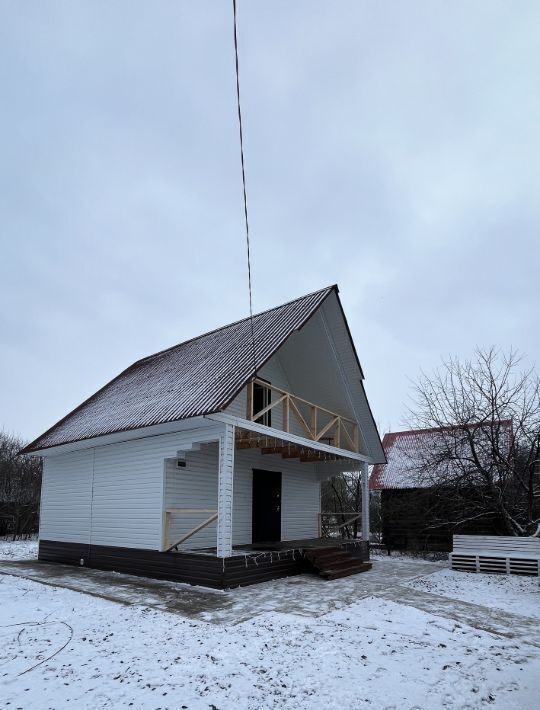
(412, 460)
(200, 376)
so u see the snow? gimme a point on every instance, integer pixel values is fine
(18, 549)
(372, 653)
(381, 555)
(511, 593)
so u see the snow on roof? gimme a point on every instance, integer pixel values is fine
(413, 460)
(200, 376)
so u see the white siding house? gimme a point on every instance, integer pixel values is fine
(193, 451)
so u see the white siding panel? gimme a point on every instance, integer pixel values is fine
(309, 361)
(127, 495)
(125, 509)
(300, 497)
(194, 486)
(300, 505)
(242, 501)
(65, 497)
(238, 407)
(368, 432)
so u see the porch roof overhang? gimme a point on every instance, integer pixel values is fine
(334, 452)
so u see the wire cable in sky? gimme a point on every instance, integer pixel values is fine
(244, 188)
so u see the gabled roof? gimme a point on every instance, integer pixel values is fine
(408, 452)
(198, 377)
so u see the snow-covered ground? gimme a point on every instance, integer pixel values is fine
(512, 593)
(61, 649)
(378, 553)
(18, 549)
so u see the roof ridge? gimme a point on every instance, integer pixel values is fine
(230, 325)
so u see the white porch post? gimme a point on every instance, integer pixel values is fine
(365, 501)
(225, 491)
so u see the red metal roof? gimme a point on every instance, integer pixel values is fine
(408, 451)
(198, 377)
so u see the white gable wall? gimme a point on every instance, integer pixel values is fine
(337, 327)
(305, 366)
(318, 363)
(311, 367)
(274, 373)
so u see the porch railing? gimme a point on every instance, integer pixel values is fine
(339, 525)
(316, 422)
(167, 525)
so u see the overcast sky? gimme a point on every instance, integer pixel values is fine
(391, 147)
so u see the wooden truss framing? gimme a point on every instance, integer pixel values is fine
(271, 445)
(323, 424)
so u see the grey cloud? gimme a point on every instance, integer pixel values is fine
(392, 148)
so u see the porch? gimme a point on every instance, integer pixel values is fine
(250, 510)
(212, 485)
(251, 564)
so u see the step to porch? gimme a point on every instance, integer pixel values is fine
(334, 562)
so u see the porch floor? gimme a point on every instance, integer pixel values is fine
(277, 546)
(305, 543)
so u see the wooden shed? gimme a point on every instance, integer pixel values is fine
(417, 485)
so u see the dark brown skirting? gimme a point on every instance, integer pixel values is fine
(206, 570)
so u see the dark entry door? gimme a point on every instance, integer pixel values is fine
(266, 512)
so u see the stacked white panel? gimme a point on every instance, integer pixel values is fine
(66, 496)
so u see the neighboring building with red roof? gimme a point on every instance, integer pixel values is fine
(420, 462)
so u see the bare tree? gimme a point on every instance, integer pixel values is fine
(342, 496)
(481, 456)
(20, 486)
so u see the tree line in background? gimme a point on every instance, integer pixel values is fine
(481, 471)
(341, 501)
(20, 488)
